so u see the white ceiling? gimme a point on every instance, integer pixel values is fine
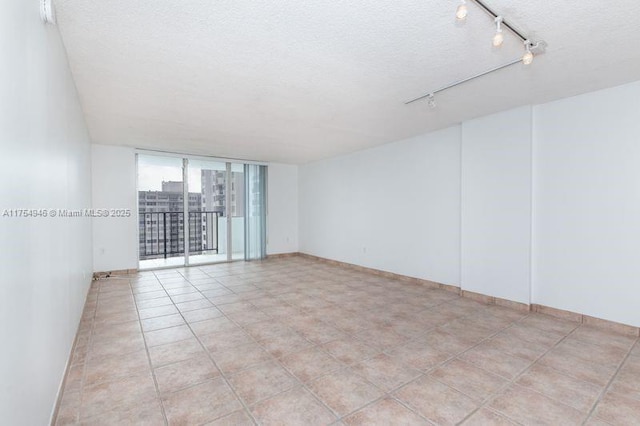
(296, 81)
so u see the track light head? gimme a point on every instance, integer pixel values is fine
(527, 58)
(462, 11)
(498, 38)
(47, 12)
(431, 101)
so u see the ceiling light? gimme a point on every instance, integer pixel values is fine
(527, 58)
(461, 12)
(431, 101)
(498, 38)
(47, 12)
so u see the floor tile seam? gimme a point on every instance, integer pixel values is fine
(152, 371)
(517, 377)
(382, 398)
(602, 346)
(611, 380)
(223, 375)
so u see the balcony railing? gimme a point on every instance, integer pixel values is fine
(162, 233)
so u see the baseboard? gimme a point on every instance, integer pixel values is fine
(613, 326)
(106, 274)
(283, 255)
(491, 300)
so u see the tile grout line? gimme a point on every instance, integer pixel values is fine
(146, 348)
(518, 376)
(314, 313)
(611, 380)
(210, 356)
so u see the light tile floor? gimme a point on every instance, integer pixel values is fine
(294, 341)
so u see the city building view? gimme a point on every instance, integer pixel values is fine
(161, 215)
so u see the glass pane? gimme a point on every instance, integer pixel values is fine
(160, 212)
(208, 222)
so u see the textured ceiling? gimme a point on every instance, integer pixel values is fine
(296, 81)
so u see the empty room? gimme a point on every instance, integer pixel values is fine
(319, 213)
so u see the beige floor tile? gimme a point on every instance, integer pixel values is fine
(261, 381)
(618, 409)
(437, 402)
(168, 335)
(568, 390)
(238, 418)
(174, 352)
(98, 370)
(115, 346)
(154, 303)
(201, 314)
(266, 329)
(183, 374)
(495, 361)
(532, 334)
(486, 417)
(419, 355)
(604, 338)
(320, 333)
(603, 355)
(472, 381)
(240, 357)
(143, 413)
(296, 406)
(106, 396)
(575, 366)
(627, 381)
(201, 403)
(517, 347)
(381, 337)
(276, 325)
(157, 311)
(158, 323)
(194, 305)
(529, 407)
(549, 323)
(385, 412)
(350, 350)
(213, 325)
(187, 297)
(310, 363)
(225, 340)
(284, 344)
(445, 342)
(385, 372)
(344, 391)
(69, 409)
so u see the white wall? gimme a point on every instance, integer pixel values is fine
(115, 239)
(282, 214)
(586, 243)
(547, 210)
(496, 205)
(394, 208)
(45, 266)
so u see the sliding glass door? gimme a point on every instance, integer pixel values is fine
(193, 211)
(160, 211)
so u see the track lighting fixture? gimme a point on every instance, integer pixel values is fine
(527, 58)
(461, 12)
(531, 48)
(498, 38)
(431, 101)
